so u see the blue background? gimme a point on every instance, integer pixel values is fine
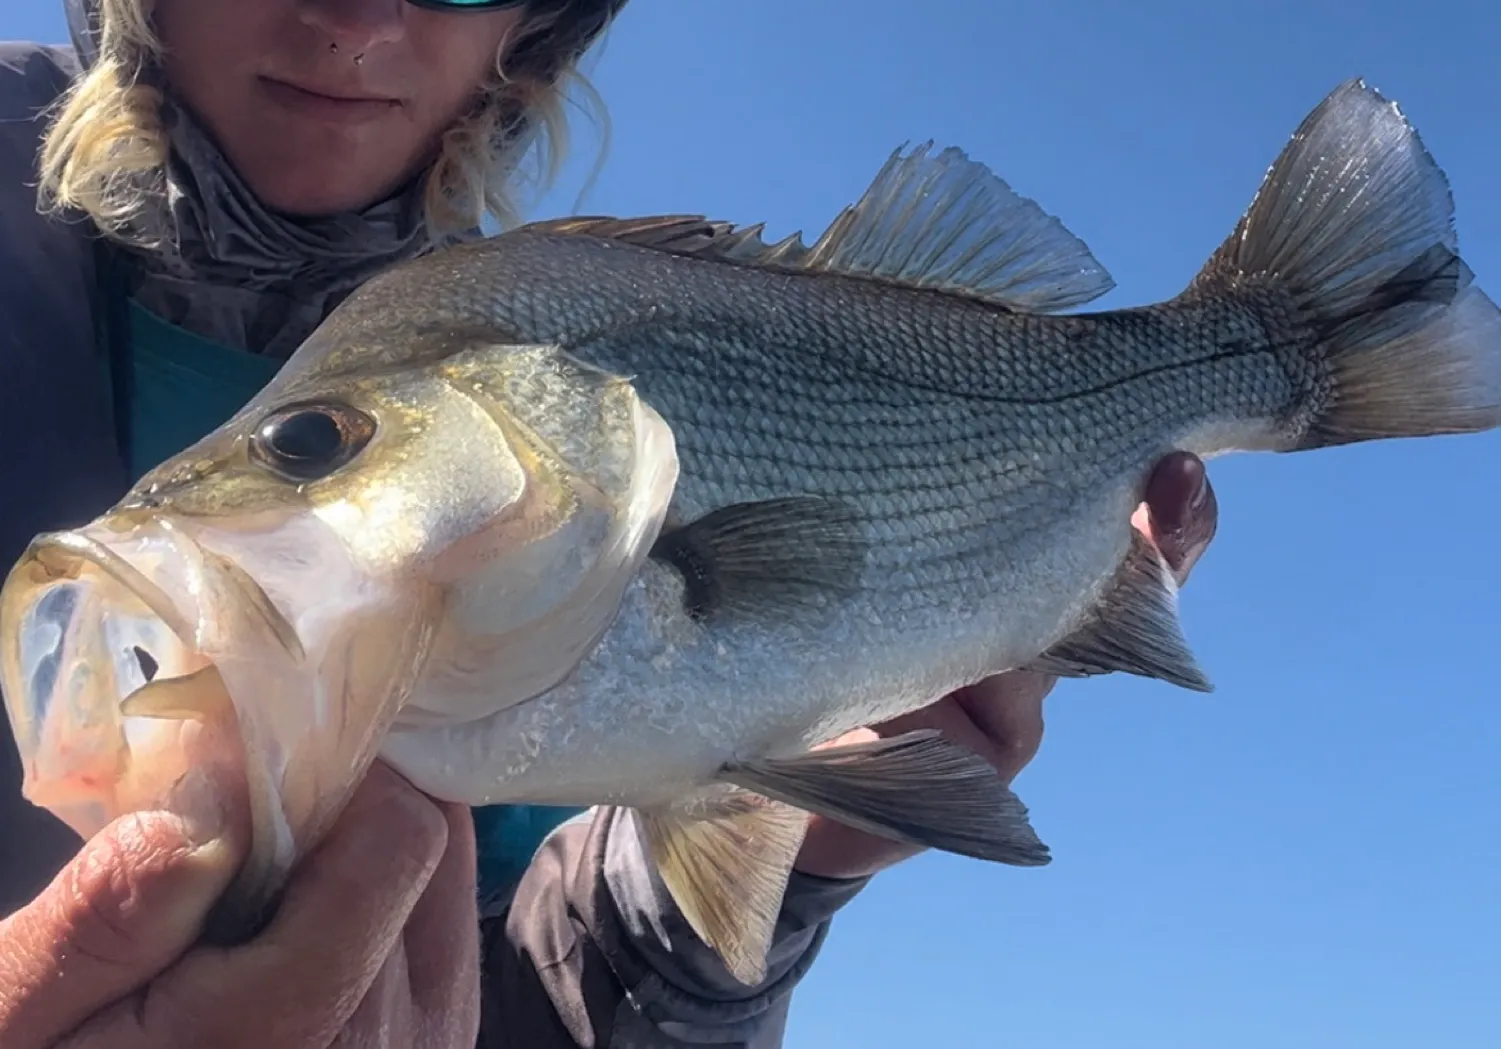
(1308, 857)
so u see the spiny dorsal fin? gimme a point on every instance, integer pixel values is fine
(1135, 628)
(941, 222)
(677, 234)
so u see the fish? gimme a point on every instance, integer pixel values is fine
(652, 512)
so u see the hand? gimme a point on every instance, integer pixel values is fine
(376, 942)
(1001, 717)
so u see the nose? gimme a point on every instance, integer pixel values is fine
(357, 25)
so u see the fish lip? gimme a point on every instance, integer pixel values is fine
(117, 566)
(79, 549)
(51, 561)
(76, 615)
(270, 737)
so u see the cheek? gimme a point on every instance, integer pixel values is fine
(459, 53)
(436, 476)
(209, 47)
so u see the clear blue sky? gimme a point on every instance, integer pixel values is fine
(1308, 857)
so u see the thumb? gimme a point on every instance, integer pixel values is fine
(124, 909)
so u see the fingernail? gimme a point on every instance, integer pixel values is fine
(1201, 493)
(206, 873)
(197, 807)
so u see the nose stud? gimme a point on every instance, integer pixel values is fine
(333, 49)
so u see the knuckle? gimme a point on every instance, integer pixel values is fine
(109, 892)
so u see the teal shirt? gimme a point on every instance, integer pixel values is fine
(182, 387)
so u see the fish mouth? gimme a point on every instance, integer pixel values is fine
(88, 625)
(164, 664)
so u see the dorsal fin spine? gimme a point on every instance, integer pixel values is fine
(943, 223)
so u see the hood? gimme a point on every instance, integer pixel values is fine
(83, 28)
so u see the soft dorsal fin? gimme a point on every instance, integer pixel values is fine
(941, 222)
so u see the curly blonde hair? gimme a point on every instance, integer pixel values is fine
(105, 151)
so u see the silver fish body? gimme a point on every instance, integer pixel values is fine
(644, 512)
(989, 455)
(985, 507)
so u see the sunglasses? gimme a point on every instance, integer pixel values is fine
(466, 5)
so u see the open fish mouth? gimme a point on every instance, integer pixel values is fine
(124, 649)
(94, 624)
(167, 664)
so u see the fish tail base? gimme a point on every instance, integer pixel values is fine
(1354, 222)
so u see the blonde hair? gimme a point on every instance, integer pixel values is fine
(105, 150)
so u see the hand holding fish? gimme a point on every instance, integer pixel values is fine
(1000, 718)
(375, 941)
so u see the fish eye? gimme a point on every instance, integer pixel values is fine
(306, 442)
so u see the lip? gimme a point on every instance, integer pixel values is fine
(333, 108)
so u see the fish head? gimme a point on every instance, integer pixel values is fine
(251, 618)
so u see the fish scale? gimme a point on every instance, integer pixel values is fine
(648, 512)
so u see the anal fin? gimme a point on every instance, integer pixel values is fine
(727, 872)
(1134, 629)
(917, 788)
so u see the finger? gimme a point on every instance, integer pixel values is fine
(1182, 510)
(999, 719)
(125, 908)
(297, 984)
(1006, 711)
(442, 939)
(838, 851)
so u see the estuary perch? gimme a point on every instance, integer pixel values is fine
(642, 511)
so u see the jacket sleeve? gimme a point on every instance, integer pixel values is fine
(592, 953)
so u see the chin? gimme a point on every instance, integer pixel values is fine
(320, 197)
(307, 169)
(340, 177)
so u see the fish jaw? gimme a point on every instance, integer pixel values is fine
(158, 663)
(77, 613)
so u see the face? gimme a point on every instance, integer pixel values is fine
(310, 130)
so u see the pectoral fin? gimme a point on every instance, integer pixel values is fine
(765, 556)
(1134, 629)
(917, 788)
(728, 872)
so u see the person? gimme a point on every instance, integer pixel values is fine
(185, 192)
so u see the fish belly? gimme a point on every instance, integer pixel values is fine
(664, 703)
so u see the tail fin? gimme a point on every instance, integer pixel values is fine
(1356, 220)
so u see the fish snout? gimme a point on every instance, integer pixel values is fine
(114, 707)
